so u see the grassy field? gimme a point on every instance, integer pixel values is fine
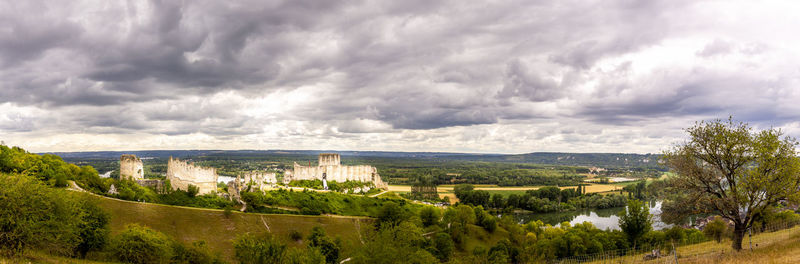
(773, 247)
(192, 224)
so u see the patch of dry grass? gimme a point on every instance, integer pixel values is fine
(774, 247)
(191, 224)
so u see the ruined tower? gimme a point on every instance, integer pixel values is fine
(130, 167)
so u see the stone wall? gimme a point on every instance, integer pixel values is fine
(329, 159)
(258, 180)
(180, 174)
(130, 167)
(333, 171)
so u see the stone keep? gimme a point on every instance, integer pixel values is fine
(181, 174)
(130, 167)
(330, 166)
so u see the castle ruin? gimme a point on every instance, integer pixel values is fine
(130, 167)
(329, 168)
(258, 180)
(181, 174)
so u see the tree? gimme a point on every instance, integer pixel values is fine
(498, 201)
(93, 228)
(318, 239)
(444, 246)
(429, 215)
(391, 214)
(635, 220)
(728, 169)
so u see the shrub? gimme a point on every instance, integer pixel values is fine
(319, 240)
(192, 190)
(196, 253)
(35, 216)
(259, 249)
(295, 235)
(138, 244)
(716, 229)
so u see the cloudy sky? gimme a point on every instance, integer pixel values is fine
(464, 76)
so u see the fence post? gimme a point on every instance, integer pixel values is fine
(675, 252)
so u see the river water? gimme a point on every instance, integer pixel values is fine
(600, 218)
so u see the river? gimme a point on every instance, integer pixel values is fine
(600, 218)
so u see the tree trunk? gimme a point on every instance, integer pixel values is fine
(738, 236)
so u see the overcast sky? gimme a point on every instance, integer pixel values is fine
(463, 76)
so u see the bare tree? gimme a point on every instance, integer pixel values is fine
(726, 168)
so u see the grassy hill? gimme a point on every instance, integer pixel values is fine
(192, 224)
(772, 247)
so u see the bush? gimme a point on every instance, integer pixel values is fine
(139, 244)
(33, 215)
(716, 229)
(196, 253)
(319, 240)
(295, 235)
(192, 190)
(259, 249)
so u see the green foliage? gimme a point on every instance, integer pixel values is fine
(543, 200)
(258, 249)
(635, 221)
(138, 244)
(33, 216)
(265, 248)
(390, 214)
(429, 215)
(93, 228)
(728, 169)
(443, 247)
(716, 229)
(192, 190)
(402, 243)
(196, 253)
(303, 256)
(315, 203)
(675, 234)
(458, 218)
(329, 248)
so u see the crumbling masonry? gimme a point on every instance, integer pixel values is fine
(130, 167)
(329, 167)
(181, 174)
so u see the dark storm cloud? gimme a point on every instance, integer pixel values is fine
(178, 68)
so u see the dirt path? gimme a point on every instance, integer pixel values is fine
(376, 195)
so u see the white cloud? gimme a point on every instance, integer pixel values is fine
(509, 76)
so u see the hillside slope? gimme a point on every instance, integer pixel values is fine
(192, 224)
